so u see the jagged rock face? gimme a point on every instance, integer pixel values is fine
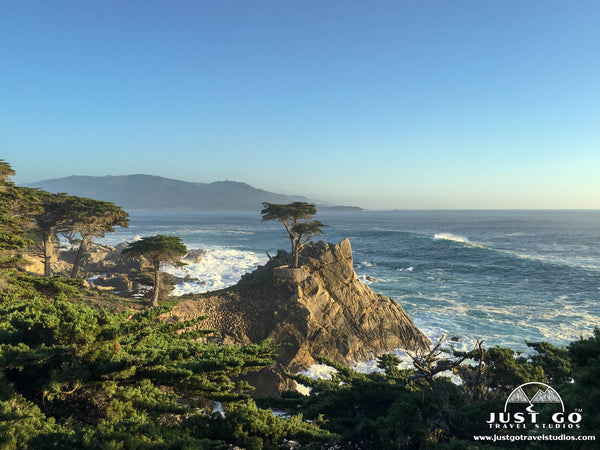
(320, 309)
(336, 315)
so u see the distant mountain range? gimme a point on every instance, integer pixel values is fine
(147, 192)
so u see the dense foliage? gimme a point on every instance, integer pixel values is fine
(76, 377)
(15, 203)
(423, 407)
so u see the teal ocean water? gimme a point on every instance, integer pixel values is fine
(503, 276)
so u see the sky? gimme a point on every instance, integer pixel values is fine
(380, 104)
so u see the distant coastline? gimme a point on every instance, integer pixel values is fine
(149, 192)
(341, 208)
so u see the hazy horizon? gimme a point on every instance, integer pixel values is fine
(323, 201)
(392, 105)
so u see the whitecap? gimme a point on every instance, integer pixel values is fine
(219, 268)
(366, 279)
(456, 238)
(451, 237)
(406, 269)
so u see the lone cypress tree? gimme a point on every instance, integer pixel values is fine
(290, 216)
(158, 249)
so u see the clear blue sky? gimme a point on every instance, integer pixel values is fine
(382, 104)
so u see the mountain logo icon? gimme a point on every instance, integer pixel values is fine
(544, 394)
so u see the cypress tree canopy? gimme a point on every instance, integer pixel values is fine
(160, 247)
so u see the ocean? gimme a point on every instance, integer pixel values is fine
(506, 277)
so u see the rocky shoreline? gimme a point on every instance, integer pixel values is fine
(319, 309)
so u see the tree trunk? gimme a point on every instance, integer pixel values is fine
(156, 293)
(295, 253)
(292, 240)
(78, 255)
(48, 254)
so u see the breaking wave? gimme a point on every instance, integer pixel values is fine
(451, 237)
(219, 268)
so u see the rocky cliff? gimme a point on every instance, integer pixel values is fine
(320, 309)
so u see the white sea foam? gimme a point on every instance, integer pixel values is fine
(368, 279)
(451, 237)
(406, 269)
(319, 372)
(220, 268)
(366, 264)
(364, 279)
(563, 320)
(371, 365)
(572, 261)
(456, 238)
(218, 409)
(324, 372)
(304, 390)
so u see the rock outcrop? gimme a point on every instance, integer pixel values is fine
(97, 259)
(321, 308)
(110, 269)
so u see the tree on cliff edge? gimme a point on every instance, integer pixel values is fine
(290, 216)
(158, 249)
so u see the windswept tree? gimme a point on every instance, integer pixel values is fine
(53, 214)
(92, 218)
(15, 203)
(86, 217)
(158, 249)
(295, 217)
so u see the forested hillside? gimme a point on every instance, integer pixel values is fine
(139, 192)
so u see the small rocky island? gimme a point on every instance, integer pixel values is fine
(321, 308)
